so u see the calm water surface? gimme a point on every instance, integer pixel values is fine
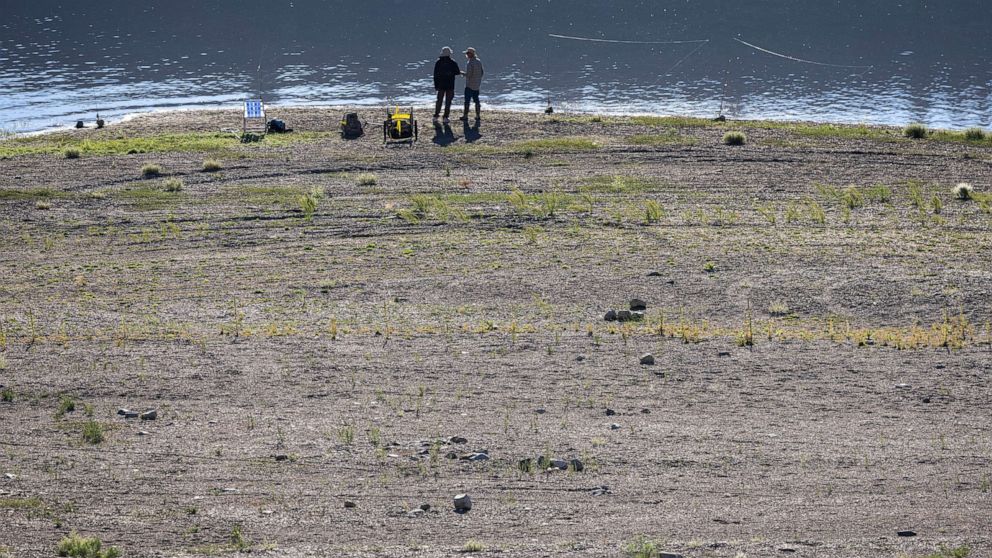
(887, 62)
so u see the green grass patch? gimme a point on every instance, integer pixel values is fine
(618, 184)
(33, 194)
(286, 197)
(149, 197)
(548, 145)
(161, 143)
(33, 503)
(675, 121)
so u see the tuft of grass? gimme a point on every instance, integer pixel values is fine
(473, 546)
(974, 134)
(238, 540)
(72, 153)
(947, 552)
(66, 405)
(936, 204)
(915, 131)
(309, 201)
(173, 185)
(212, 165)
(734, 138)
(964, 191)
(642, 547)
(670, 138)
(709, 267)
(555, 144)
(151, 170)
(673, 121)
(617, 184)
(816, 213)
(77, 546)
(7, 395)
(367, 179)
(42, 205)
(653, 212)
(92, 432)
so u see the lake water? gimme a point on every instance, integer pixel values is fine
(887, 62)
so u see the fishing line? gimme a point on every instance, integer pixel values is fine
(794, 59)
(616, 41)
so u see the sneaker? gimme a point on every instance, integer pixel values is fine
(446, 120)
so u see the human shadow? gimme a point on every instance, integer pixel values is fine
(443, 135)
(471, 133)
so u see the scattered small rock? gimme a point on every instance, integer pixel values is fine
(425, 507)
(926, 399)
(463, 503)
(645, 411)
(638, 305)
(906, 533)
(614, 426)
(149, 415)
(559, 464)
(580, 358)
(451, 455)
(131, 414)
(457, 440)
(10, 476)
(647, 359)
(610, 412)
(142, 433)
(476, 456)
(540, 411)
(637, 315)
(601, 490)
(671, 281)
(611, 316)
(415, 513)
(281, 457)
(577, 465)
(723, 353)
(654, 274)
(902, 386)
(349, 504)
(122, 412)
(624, 315)
(786, 549)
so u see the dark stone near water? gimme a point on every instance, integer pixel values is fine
(654, 274)
(647, 359)
(79, 124)
(625, 315)
(457, 440)
(349, 504)
(638, 305)
(906, 533)
(611, 316)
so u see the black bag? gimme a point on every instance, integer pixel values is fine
(351, 126)
(276, 127)
(401, 130)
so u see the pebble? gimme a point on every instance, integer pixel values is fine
(614, 426)
(281, 457)
(149, 415)
(451, 455)
(611, 316)
(559, 464)
(540, 411)
(463, 503)
(625, 315)
(647, 359)
(601, 490)
(654, 274)
(645, 411)
(580, 358)
(10, 476)
(637, 315)
(577, 465)
(142, 433)
(425, 507)
(610, 412)
(457, 440)
(476, 456)
(723, 353)
(906, 533)
(131, 414)
(637, 304)
(902, 386)
(415, 513)
(349, 504)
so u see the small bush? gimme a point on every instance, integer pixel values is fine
(964, 191)
(916, 131)
(974, 134)
(42, 205)
(734, 138)
(652, 212)
(212, 165)
(72, 153)
(367, 179)
(93, 432)
(309, 202)
(238, 540)
(151, 170)
(66, 405)
(76, 546)
(642, 547)
(173, 185)
(474, 546)
(7, 395)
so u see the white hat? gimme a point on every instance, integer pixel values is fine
(468, 50)
(446, 51)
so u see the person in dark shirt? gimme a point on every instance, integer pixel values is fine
(445, 70)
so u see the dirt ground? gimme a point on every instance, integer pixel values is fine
(316, 320)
